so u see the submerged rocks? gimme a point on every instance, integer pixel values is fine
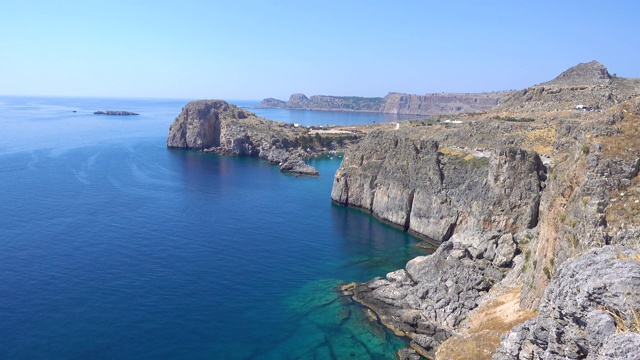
(590, 310)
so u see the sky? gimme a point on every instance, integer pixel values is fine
(250, 50)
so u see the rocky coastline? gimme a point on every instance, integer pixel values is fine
(534, 203)
(556, 240)
(214, 126)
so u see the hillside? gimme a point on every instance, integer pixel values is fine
(589, 84)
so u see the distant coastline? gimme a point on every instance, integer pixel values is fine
(392, 103)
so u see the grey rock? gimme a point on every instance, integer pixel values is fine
(198, 125)
(219, 127)
(410, 184)
(505, 250)
(574, 320)
(620, 347)
(408, 354)
(430, 298)
(298, 166)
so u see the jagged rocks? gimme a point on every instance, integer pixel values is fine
(590, 300)
(411, 184)
(429, 299)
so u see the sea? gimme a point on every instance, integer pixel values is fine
(113, 246)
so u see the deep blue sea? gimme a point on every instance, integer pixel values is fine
(114, 247)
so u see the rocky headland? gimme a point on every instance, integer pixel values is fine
(536, 207)
(218, 127)
(393, 103)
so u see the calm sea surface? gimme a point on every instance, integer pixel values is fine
(114, 247)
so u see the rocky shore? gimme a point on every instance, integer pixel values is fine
(562, 239)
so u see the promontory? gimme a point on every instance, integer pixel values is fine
(219, 127)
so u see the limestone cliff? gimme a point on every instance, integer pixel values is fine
(430, 193)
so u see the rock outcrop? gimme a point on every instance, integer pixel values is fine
(429, 299)
(393, 103)
(409, 183)
(589, 311)
(216, 126)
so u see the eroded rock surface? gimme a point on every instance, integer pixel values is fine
(432, 295)
(411, 184)
(591, 299)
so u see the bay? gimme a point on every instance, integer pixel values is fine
(114, 247)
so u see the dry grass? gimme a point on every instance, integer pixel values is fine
(627, 143)
(484, 328)
(454, 152)
(626, 321)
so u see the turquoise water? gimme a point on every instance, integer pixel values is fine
(114, 247)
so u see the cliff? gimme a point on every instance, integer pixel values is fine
(431, 193)
(216, 126)
(393, 103)
(556, 241)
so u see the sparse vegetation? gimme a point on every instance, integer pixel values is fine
(585, 149)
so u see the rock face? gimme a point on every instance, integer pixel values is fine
(216, 126)
(430, 298)
(198, 125)
(393, 103)
(591, 299)
(429, 193)
(444, 103)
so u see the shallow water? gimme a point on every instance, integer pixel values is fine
(113, 246)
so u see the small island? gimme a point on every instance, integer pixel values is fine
(114, 112)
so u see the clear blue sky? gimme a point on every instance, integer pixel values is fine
(249, 50)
